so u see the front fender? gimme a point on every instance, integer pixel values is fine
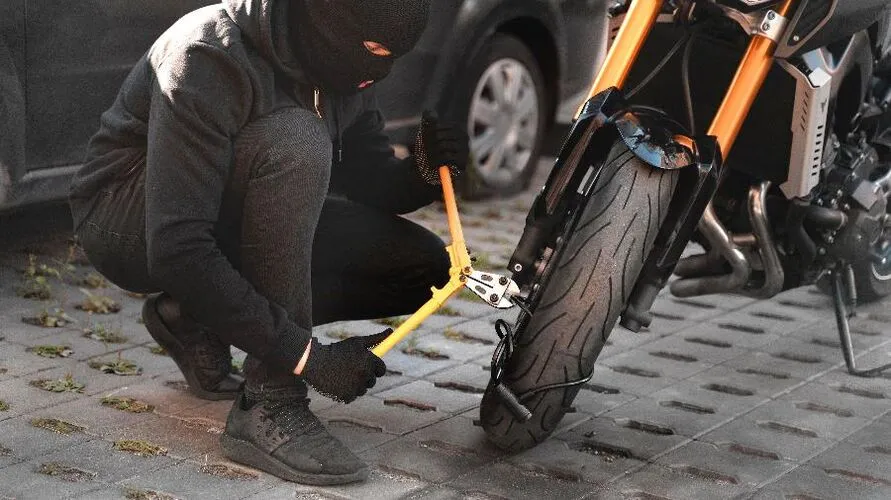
(654, 138)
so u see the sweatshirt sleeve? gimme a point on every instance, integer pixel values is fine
(370, 173)
(200, 100)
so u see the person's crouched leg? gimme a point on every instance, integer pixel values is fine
(282, 168)
(111, 228)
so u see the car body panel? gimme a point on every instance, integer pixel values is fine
(70, 62)
(76, 60)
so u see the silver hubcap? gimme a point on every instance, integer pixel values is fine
(503, 122)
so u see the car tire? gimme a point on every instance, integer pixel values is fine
(516, 132)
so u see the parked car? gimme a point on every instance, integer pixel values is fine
(501, 66)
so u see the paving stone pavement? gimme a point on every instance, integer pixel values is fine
(723, 397)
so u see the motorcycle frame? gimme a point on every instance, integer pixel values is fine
(599, 122)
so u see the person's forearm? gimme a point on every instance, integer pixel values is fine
(391, 185)
(214, 294)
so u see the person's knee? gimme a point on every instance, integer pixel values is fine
(290, 139)
(430, 254)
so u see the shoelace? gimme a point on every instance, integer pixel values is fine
(292, 416)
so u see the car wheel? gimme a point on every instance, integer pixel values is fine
(504, 102)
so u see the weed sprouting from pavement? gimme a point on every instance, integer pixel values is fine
(127, 404)
(51, 351)
(64, 384)
(140, 448)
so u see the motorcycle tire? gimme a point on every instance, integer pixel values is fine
(580, 303)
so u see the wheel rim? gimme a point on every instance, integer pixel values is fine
(503, 122)
(882, 272)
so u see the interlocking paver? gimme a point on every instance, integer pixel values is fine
(26, 442)
(442, 399)
(575, 461)
(506, 481)
(460, 434)
(195, 480)
(23, 480)
(110, 465)
(800, 411)
(595, 398)
(185, 439)
(707, 347)
(603, 436)
(762, 381)
(381, 485)
(840, 400)
(636, 380)
(785, 439)
(780, 367)
(684, 418)
(809, 482)
(430, 460)
(732, 331)
(734, 464)
(677, 484)
(674, 364)
(372, 412)
(855, 463)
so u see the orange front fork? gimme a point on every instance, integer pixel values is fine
(749, 79)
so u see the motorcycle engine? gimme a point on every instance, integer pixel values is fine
(857, 185)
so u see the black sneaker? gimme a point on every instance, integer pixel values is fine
(205, 362)
(285, 439)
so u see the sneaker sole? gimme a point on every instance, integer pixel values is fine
(248, 454)
(158, 330)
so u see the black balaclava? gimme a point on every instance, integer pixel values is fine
(334, 39)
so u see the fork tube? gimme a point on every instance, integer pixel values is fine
(745, 87)
(635, 28)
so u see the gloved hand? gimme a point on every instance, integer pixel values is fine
(439, 144)
(345, 370)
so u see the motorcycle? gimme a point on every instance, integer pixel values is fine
(788, 185)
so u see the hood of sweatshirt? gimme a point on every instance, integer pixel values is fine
(264, 24)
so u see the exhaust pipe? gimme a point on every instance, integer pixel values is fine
(722, 244)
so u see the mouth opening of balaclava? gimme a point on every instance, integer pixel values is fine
(347, 45)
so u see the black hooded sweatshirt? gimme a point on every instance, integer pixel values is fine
(181, 108)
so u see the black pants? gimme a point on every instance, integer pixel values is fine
(364, 263)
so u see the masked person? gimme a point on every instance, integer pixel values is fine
(243, 171)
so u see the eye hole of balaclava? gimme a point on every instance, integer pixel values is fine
(346, 45)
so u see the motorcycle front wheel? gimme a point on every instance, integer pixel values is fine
(582, 299)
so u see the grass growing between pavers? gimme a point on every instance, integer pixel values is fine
(127, 404)
(393, 322)
(120, 366)
(98, 304)
(51, 351)
(56, 318)
(66, 472)
(138, 494)
(413, 349)
(158, 350)
(36, 280)
(94, 281)
(237, 366)
(459, 336)
(448, 311)
(57, 426)
(228, 472)
(338, 334)
(140, 448)
(105, 334)
(4, 406)
(64, 384)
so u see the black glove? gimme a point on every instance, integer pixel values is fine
(345, 370)
(439, 144)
